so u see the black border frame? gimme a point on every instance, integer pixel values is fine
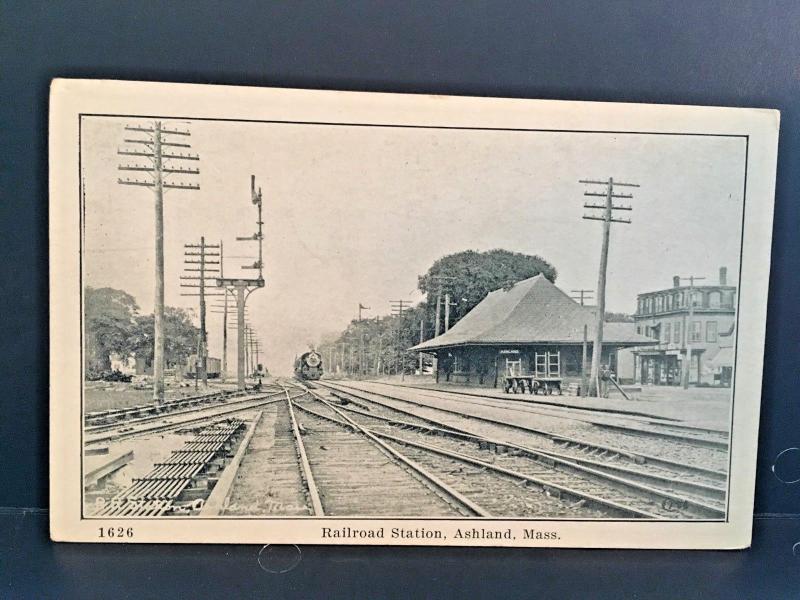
(81, 204)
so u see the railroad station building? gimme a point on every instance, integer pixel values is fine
(663, 315)
(532, 328)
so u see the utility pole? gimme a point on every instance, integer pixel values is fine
(584, 359)
(223, 309)
(607, 218)
(242, 287)
(196, 256)
(582, 295)
(361, 355)
(398, 306)
(154, 142)
(441, 281)
(421, 339)
(687, 361)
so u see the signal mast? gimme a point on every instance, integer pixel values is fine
(242, 287)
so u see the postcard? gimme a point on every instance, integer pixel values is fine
(323, 317)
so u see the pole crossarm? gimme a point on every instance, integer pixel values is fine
(609, 220)
(602, 195)
(616, 183)
(603, 206)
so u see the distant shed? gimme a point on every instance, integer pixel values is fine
(521, 330)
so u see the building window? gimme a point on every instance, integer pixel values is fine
(639, 329)
(668, 302)
(697, 299)
(678, 332)
(711, 331)
(659, 302)
(666, 333)
(727, 299)
(696, 331)
(678, 300)
(714, 299)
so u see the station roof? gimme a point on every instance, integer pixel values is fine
(532, 311)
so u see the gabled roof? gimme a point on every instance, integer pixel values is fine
(532, 311)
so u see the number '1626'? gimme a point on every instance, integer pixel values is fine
(115, 532)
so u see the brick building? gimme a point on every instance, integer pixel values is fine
(664, 316)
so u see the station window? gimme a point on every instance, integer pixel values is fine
(696, 331)
(677, 330)
(711, 331)
(666, 333)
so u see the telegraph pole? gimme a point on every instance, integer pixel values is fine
(242, 287)
(164, 159)
(687, 361)
(196, 257)
(361, 355)
(441, 280)
(582, 295)
(398, 306)
(607, 218)
(421, 339)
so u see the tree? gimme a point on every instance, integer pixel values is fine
(475, 274)
(110, 321)
(618, 317)
(180, 336)
(386, 340)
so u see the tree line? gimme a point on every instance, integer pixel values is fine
(113, 325)
(380, 345)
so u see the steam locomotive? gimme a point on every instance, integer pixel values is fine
(308, 366)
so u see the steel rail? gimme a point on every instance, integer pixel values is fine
(127, 423)
(519, 477)
(168, 426)
(635, 456)
(704, 442)
(523, 399)
(308, 476)
(550, 458)
(577, 413)
(570, 464)
(442, 487)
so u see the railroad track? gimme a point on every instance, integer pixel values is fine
(468, 488)
(664, 452)
(274, 477)
(111, 418)
(644, 422)
(522, 399)
(669, 489)
(183, 419)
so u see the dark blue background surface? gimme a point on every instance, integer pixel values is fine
(714, 53)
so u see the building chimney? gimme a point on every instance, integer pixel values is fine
(723, 275)
(676, 281)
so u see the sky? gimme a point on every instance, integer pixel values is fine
(356, 214)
